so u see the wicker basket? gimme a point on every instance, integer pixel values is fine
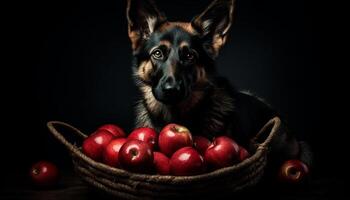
(127, 185)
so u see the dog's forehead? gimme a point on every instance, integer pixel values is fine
(186, 26)
(175, 33)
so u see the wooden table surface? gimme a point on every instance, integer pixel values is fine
(72, 187)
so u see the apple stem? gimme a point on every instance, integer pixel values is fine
(293, 171)
(133, 152)
(175, 129)
(35, 171)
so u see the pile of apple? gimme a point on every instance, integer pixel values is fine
(174, 151)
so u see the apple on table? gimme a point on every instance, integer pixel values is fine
(186, 161)
(243, 154)
(161, 163)
(145, 134)
(114, 129)
(173, 137)
(94, 145)
(111, 153)
(223, 152)
(136, 156)
(44, 174)
(201, 144)
(293, 172)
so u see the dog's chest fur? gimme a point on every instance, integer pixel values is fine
(220, 111)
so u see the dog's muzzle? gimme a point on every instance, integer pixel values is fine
(170, 91)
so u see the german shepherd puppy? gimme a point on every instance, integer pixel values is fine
(174, 68)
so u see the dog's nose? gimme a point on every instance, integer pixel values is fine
(169, 90)
(171, 85)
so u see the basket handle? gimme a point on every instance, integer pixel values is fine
(51, 125)
(275, 123)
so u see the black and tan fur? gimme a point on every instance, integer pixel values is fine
(205, 102)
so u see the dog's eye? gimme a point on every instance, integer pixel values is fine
(157, 54)
(189, 56)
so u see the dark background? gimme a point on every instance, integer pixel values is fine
(73, 63)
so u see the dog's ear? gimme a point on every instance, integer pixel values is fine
(214, 23)
(143, 17)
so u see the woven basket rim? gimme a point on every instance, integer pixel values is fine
(261, 148)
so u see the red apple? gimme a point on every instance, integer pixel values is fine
(114, 129)
(186, 162)
(144, 134)
(293, 171)
(136, 156)
(223, 152)
(243, 154)
(44, 174)
(110, 153)
(201, 144)
(161, 163)
(173, 137)
(94, 145)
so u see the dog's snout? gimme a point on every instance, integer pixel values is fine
(170, 85)
(170, 90)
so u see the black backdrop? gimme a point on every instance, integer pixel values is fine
(73, 60)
